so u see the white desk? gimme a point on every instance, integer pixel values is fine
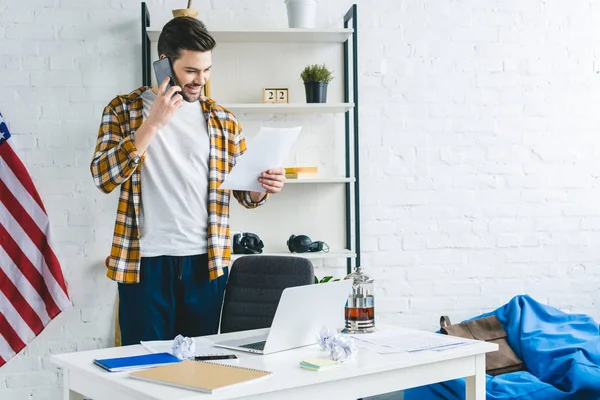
(365, 375)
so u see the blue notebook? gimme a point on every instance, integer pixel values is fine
(136, 362)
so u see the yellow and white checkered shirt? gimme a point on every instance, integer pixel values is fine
(112, 166)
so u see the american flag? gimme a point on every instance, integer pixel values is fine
(32, 287)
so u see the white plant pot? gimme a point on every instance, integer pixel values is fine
(301, 13)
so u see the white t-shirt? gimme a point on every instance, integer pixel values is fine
(174, 179)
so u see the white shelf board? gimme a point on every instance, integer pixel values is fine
(289, 35)
(318, 180)
(289, 108)
(318, 255)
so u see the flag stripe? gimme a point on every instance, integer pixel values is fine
(18, 191)
(17, 278)
(17, 167)
(27, 267)
(9, 291)
(32, 229)
(6, 352)
(35, 256)
(9, 334)
(16, 320)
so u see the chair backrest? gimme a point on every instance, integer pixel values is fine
(254, 288)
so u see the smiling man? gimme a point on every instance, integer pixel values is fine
(170, 248)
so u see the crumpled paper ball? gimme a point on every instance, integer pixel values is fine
(325, 338)
(340, 347)
(183, 347)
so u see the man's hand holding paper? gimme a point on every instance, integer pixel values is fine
(272, 180)
(261, 163)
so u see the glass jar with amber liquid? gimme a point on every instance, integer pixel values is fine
(359, 312)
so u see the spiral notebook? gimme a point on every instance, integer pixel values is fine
(201, 376)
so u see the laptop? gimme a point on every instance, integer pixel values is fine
(301, 313)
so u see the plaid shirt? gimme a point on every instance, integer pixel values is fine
(113, 165)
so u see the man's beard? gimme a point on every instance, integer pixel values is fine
(191, 98)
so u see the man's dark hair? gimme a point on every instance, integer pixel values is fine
(184, 33)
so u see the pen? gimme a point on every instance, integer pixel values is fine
(216, 357)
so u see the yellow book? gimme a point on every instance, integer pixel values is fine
(302, 169)
(201, 376)
(300, 175)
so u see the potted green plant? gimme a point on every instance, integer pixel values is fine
(316, 78)
(326, 279)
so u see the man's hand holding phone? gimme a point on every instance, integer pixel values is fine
(161, 112)
(165, 104)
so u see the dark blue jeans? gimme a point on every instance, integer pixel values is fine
(174, 296)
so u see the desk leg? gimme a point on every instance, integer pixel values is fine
(476, 383)
(66, 384)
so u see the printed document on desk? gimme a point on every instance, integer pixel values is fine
(267, 150)
(399, 342)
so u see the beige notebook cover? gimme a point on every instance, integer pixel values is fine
(198, 375)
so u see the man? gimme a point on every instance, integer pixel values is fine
(169, 152)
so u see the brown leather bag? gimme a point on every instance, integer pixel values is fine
(488, 329)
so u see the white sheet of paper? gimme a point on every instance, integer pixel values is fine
(267, 150)
(392, 342)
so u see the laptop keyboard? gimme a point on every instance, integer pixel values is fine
(255, 346)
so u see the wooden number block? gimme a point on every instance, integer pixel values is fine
(276, 95)
(282, 96)
(270, 95)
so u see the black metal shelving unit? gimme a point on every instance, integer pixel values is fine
(352, 145)
(352, 15)
(146, 56)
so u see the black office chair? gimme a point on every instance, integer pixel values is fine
(254, 288)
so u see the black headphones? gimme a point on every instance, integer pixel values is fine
(247, 243)
(303, 244)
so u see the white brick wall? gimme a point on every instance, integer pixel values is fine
(479, 144)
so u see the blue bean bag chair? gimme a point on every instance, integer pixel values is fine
(561, 353)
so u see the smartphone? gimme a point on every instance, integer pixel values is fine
(162, 69)
(216, 357)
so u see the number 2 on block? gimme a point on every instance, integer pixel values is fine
(282, 95)
(269, 96)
